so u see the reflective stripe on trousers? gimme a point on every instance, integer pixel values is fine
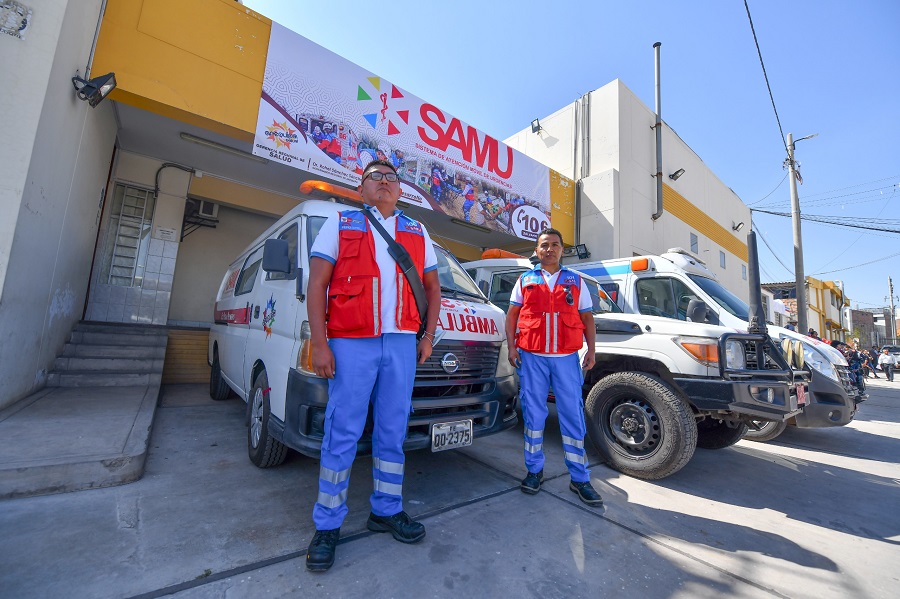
(537, 375)
(380, 370)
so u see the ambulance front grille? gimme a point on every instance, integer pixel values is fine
(477, 360)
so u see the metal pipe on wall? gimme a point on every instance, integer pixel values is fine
(658, 126)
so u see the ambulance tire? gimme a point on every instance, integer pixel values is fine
(264, 450)
(640, 425)
(218, 388)
(719, 434)
(768, 430)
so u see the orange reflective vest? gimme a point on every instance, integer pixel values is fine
(355, 289)
(549, 322)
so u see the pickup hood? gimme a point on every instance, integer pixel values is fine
(470, 321)
(660, 325)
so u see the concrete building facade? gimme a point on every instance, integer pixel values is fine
(606, 142)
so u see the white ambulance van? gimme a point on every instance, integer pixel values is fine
(672, 284)
(259, 347)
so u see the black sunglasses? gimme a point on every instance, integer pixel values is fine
(378, 176)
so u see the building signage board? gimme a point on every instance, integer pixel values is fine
(329, 117)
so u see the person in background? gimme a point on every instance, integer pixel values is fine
(887, 361)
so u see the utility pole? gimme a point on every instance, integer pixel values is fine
(800, 279)
(893, 329)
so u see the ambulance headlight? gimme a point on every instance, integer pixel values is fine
(504, 368)
(818, 362)
(304, 356)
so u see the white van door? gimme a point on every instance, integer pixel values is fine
(273, 324)
(231, 351)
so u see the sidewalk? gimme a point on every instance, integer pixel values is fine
(72, 438)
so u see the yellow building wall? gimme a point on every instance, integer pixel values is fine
(200, 62)
(682, 209)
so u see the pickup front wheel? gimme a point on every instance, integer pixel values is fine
(640, 425)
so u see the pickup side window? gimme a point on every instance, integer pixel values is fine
(248, 274)
(656, 298)
(291, 236)
(502, 285)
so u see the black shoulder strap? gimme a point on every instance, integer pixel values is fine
(403, 259)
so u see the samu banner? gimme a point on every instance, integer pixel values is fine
(329, 117)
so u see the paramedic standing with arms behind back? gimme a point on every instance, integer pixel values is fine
(551, 307)
(370, 352)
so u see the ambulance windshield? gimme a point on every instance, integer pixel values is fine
(729, 301)
(454, 279)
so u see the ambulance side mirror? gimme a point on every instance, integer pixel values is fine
(275, 256)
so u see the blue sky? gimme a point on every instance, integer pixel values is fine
(834, 68)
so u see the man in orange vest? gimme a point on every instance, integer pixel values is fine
(363, 322)
(552, 309)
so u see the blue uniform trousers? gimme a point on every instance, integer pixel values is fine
(380, 369)
(537, 375)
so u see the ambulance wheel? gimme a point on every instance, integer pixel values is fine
(640, 425)
(719, 434)
(768, 430)
(264, 450)
(218, 388)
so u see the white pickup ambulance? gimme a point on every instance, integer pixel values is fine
(666, 286)
(661, 388)
(259, 347)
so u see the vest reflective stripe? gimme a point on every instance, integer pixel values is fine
(533, 447)
(388, 488)
(333, 476)
(555, 331)
(332, 501)
(575, 458)
(534, 434)
(376, 311)
(547, 334)
(388, 467)
(573, 442)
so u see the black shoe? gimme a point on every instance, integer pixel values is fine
(586, 493)
(320, 555)
(531, 484)
(400, 525)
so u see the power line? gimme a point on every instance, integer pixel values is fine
(825, 272)
(773, 251)
(810, 195)
(858, 237)
(771, 192)
(766, 77)
(822, 201)
(841, 221)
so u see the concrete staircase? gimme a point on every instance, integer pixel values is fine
(111, 355)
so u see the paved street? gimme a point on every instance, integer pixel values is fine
(814, 514)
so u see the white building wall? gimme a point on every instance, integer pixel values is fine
(622, 152)
(53, 168)
(149, 302)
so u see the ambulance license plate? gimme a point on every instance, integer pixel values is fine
(450, 435)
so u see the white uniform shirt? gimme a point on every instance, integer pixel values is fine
(585, 303)
(887, 359)
(326, 246)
